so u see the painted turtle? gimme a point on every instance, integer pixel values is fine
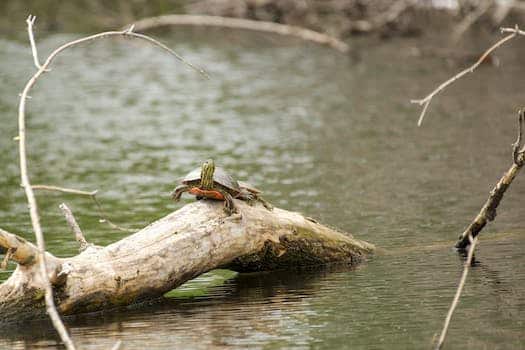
(213, 182)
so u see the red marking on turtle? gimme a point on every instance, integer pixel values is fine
(207, 193)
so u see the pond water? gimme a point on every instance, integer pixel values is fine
(330, 135)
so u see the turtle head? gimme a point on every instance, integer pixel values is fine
(207, 170)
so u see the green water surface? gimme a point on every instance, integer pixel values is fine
(330, 135)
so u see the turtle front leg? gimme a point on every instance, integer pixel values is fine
(229, 205)
(178, 191)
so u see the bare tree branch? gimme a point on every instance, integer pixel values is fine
(104, 217)
(426, 100)
(238, 23)
(79, 236)
(64, 190)
(30, 21)
(455, 301)
(515, 30)
(24, 176)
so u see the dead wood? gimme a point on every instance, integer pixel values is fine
(184, 244)
(488, 211)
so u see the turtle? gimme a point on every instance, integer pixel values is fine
(216, 183)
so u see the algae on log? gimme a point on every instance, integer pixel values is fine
(184, 244)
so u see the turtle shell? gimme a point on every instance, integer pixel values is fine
(220, 176)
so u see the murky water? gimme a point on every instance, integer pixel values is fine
(328, 135)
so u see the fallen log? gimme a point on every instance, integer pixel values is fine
(184, 244)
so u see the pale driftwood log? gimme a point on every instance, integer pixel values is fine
(184, 244)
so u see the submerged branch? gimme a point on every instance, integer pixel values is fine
(488, 211)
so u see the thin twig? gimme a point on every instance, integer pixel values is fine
(512, 30)
(104, 217)
(24, 176)
(93, 195)
(30, 21)
(239, 23)
(167, 49)
(426, 100)
(72, 222)
(455, 302)
(64, 190)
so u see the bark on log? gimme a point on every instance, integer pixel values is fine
(184, 244)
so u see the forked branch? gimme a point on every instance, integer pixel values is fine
(30, 21)
(427, 99)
